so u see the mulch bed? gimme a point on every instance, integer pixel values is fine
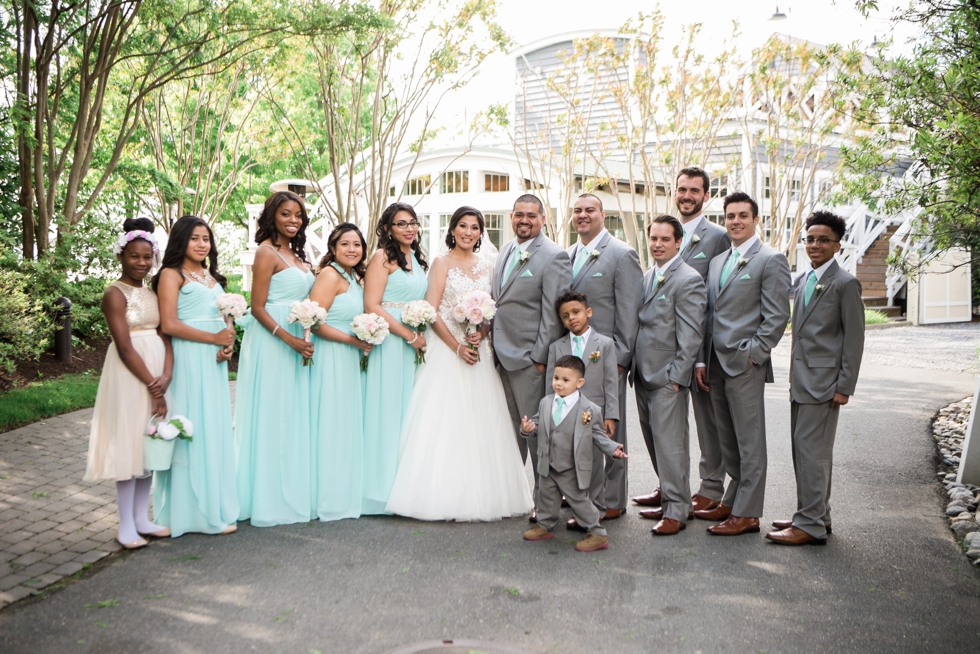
(87, 356)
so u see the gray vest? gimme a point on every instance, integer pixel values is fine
(561, 454)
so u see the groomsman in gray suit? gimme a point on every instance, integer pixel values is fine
(667, 345)
(531, 273)
(748, 307)
(703, 241)
(828, 343)
(608, 272)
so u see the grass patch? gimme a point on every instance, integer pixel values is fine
(232, 375)
(873, 317)
(43, 399)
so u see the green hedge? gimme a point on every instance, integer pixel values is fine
(44, 399)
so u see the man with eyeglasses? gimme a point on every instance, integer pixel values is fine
(828, 343)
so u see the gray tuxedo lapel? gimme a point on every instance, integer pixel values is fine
(591, 345)
(739, 271)
(825, 281)
(692, 248)
(587, 266)
(501, 263)
(521, 269)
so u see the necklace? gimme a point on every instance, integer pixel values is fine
(205, 279)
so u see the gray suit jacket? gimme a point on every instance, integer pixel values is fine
(585, 436)
(712, 240)
(671, 324)
(747, 317)
(828, 338)
(601, 377)
(526, 322)
(613, 282)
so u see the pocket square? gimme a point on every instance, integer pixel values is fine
(745, 276)
(526, 273)
(597, 275)
(699, 255)
(662, 297)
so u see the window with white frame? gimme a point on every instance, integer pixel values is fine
(825, 187)
(418, 185)
(794, 190)
(719, 186)
(495, 228)
(455, 181)
(496, 182)
(766, 187)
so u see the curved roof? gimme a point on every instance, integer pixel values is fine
(566, 36)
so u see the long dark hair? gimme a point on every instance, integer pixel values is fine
(266, 224)
(393, 251)
(458, 215)
(332, 241)
(180, 236)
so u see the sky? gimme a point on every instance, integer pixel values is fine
(527, 21)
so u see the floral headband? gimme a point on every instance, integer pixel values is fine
(129, 237)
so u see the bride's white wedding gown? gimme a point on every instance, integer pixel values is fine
(458, 457)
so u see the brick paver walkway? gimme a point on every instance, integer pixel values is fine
(51, 522)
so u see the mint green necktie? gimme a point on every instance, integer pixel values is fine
(556, 414)
(578, 346)
(511, 264)
(580, 258)
(729, 267)
(811, 283)
(684, 242)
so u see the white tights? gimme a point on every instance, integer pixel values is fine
(133, 498)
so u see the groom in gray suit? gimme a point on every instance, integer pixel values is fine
(828, 343)
(608, 272)
(530, 275)
(748, 307)
(667, 345)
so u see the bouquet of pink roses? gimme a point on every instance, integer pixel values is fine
(231, 306)
(309, 314)
(370, 328)
(474, 308)
(419, 314)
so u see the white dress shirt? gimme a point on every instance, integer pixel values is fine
(745, 247)
(689, 228)
(590, 248)
(521, 247)
(570, 400)
(585, 341)
(820, 271)
(658, 267)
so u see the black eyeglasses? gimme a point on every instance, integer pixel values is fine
(401, 224)
(822, 240)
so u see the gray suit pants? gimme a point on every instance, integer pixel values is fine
(524, 389)
(711, 466)
(565, 483)
(740, 415)
(615, 491)
(663, 421)
(814, 430)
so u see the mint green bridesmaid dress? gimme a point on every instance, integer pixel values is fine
(387, 392)
(272, 414)
(197, 494)
(338, 411)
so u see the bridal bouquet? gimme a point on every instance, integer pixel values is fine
(231, 306)
(309, 314)
(370, 328)
(473, 308)
(419, 314)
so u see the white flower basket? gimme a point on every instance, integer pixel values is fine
(157, 453)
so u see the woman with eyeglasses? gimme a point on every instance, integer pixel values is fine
(395, 276)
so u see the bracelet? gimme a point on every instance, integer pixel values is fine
(275, 330)
(414, 339)
(458, 345)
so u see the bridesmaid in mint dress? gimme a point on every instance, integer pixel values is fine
(337, 401)
(198, 493)
(272, 400)
(395, 276)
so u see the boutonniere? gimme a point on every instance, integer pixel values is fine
(741, 262)
(522, 259)
(818, 288)
(594, 255)
(586, 417)
(595, 356)
(660, 279)
(696, 239)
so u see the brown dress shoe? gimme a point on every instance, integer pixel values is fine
(735, 526)
(701, 503)
(612, 514)
(533, 517)
(794, 536)
(786, 524)
(668, 527)
(564, 502)
(592, 543)
(537, 532)
(573, 525)
(658, 514)
(715, 513)
(653, 499)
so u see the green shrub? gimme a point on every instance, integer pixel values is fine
(44, 399)
(25, 326)
(872, 317)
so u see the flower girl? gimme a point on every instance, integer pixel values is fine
(272, 403)
(133, 386)
(198, 493)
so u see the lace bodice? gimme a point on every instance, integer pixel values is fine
(458, 284)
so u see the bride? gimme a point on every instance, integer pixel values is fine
(459, 458)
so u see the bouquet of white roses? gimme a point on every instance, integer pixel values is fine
(309, 314)
(473, 308)
(370, 328)
(419, 314)
(231, 306)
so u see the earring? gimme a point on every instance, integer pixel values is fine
(452, 240)
(476, 248)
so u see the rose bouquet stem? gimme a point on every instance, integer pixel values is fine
(419, 353)
(306, 337)
(364, 361)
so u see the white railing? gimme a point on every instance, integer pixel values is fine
(902, 241)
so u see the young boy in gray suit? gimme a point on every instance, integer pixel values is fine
(601, 387)
(571, 424)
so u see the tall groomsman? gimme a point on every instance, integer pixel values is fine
(667, 345)
(748, 307)
(828, 343)
(608, 272)
(703, 241)
(531, 273)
